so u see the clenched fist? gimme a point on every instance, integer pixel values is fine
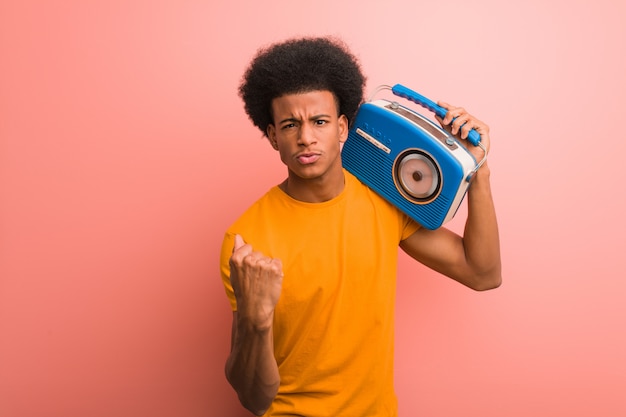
(257, 282)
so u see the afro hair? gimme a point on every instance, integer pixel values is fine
(298, 66)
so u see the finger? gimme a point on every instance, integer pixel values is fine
(459, 122)
(465, 129)
(278, 265)
(444, 105)
(240, 249)
(239, 242)
(469, 123)
(449, 116)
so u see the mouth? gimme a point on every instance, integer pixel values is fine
(307, 158)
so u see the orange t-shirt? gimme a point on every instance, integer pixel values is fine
(334, 321)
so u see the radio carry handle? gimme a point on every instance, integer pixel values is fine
(404, 92)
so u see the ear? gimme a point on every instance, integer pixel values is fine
(271, 135)
(343, 128)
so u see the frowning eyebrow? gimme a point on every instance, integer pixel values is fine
(312, 118)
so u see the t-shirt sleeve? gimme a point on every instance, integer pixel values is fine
(227, 250)
(409, 226)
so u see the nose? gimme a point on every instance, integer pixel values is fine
(306, 136)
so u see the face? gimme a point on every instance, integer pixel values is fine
(308, 133)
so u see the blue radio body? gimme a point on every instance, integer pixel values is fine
(409, 160)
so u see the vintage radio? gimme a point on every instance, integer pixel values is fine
(408, 159)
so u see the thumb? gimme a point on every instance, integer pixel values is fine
(238, 242)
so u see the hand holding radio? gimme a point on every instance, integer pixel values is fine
(459, 123)
(257, 283)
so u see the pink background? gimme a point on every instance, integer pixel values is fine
(125, 153)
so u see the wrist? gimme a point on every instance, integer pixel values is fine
(256, 323)
(484, 169)
(482, 174)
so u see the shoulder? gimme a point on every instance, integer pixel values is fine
(362, 194)
(261, 216)
(263, 206)
(358, 189)
(365, 200)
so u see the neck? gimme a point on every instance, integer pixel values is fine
(315, 190)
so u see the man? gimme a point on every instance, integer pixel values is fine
(310, 268)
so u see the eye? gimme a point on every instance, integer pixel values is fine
(321, 122)
(288, 126)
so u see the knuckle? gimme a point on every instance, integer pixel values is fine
(234, 261)
(248, 260)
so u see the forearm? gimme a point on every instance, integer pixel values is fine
(481, 237)
(251, 367)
